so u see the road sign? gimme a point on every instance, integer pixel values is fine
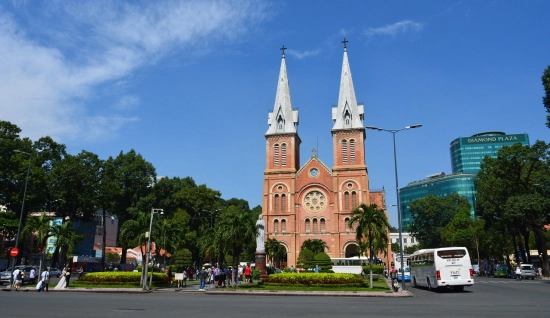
(14, 252)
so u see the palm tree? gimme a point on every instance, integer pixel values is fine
(371, 231)
(39, 226)
(274, 249)
(315, 245)
(234, 231)
(66, 238)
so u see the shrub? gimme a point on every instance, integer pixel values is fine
(256, 274)
(376, 269)
(119, 277)
(314, 279)
(323, 261)
(182, 258)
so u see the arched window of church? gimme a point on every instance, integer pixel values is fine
(323, 225)
(353, 200)
(276, 226)
(346, 224)
(283, 225)
(344, 151)
(276, 155)
(347, 119)
(283, 155)
(283, 203)
(346, 201)
(277, 203)
(352, 151)
(315, 228)
(308, 224)
(280, 124)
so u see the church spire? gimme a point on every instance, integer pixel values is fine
(348, 114)
(283, 119)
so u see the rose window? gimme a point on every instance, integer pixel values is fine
(315, 201)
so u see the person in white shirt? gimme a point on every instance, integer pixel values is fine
(518, 273)
(32, 276)
(46, 279)
(17, 279)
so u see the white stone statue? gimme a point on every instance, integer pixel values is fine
(260, 225)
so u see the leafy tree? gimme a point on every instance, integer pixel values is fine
(464, 231)
(513, 191)
(306, 259)
(411, 249)
(112, 258)
(395, 247)
(314, 245)
(431, 215)
(546, 97)
(393, 229)
(371, 231)
(235, 230)
(9, 222)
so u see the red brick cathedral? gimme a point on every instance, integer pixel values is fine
(313, 201)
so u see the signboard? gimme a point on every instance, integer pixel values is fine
(14, 252)
(179, 276)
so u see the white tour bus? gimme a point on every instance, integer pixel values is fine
(351, 265)
(442, 267)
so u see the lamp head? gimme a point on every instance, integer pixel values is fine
(414, 126)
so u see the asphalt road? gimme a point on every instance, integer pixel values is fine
(489, 297)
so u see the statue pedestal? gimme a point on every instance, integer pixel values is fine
(260, 261)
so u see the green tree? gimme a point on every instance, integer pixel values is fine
(182, 258)
(546, 97)
(112, 258)
(513, 191)
(314, 245)
(306, 259)
(9, 222)
(371, 230)
(464, 231)
(274, 249)
(66, 239)
(431, 214)
(235, 229)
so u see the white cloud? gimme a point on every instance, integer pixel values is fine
(393, 29)
(302, 54)
(54, 61)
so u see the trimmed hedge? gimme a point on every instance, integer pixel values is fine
(119, 277)
(316, 279)
(376, 269)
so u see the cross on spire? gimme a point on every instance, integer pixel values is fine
(345, 41)
(283, 49)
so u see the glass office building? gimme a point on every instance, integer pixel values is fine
(440, 185)
(467, 153)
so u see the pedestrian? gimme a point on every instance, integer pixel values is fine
(518, 273)
(17, 278)
(292, 268)
(32, 276)
(248, 274)
(46, 279)
(241, 273)
(229, 276)
(170, 276)
(235, 276)
(202, 277)
(67, 276)
(185, 275)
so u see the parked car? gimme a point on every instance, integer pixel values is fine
(55, 272)
(5, 276)
(527, 271)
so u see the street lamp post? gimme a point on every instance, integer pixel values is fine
(22, 206)
(146, 265)
(393, 132)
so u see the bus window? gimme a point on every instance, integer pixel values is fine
(451, 253)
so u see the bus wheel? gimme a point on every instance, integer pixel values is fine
(429, 285)
(458, 288)
(414, 282)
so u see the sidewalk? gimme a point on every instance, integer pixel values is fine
(211, 290)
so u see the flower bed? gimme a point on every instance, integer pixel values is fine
(315, 279)
(119, 277)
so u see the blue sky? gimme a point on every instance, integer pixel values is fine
(189, 84)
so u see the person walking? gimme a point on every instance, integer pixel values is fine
(68, 276)
(518, 273)
(17, 279)
(170, 276)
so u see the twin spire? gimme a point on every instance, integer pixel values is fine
(347, 115)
